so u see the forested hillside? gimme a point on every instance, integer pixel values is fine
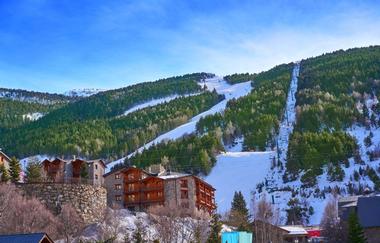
(191, 154)
(94, 126)
(34, 97)
(330, 98)
(256, 116)
(14, 113)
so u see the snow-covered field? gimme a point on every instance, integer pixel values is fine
(238, 171)
(221, 87)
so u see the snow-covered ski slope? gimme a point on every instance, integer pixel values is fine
(221, 87)
(242, 171)
(238, 171)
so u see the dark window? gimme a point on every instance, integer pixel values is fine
(117, 176)
(118, 198)
(184, 195)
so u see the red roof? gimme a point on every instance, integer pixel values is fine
(314, 233)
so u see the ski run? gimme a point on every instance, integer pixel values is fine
(243, 171)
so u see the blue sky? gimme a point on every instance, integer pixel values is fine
(57, 45)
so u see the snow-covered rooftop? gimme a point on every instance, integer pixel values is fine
(294, 229)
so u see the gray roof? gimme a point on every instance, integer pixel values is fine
(369, 211)
(25, 238)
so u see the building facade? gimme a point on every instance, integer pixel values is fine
(4, 160)
(75, 171)
(367, 208)
(139, 190)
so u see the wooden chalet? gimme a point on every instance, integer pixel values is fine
(62, 171)
(137, 189)
(54, 170)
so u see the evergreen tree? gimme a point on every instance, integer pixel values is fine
(84, 171)
(216, 227)
(296, 214)
(33, 172)
(239, 215)
(14, 169)
(355, 231)
(4, 173)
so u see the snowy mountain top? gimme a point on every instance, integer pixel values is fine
(82, 92)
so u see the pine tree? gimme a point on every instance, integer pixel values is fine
(14, 169)
(4, 175)
(33, 172)
(355, 231)
(216, 227)
(84, 171)
(239, 215)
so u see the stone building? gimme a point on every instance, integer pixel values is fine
(64, 171)
(139, 190)
(4, 160)
(367, 209)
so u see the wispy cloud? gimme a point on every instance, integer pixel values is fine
(56, 46)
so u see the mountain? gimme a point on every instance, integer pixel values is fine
(297, 133)
(82, 92)
(95, 126)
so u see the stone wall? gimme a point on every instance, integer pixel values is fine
(89, 201)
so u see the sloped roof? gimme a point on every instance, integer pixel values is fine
(294, 229)
(25, 238)
(4, 155)
(369, 211)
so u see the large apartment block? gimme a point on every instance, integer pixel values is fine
(63, 171)
(137, 189)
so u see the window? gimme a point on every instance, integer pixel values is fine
(159, 194)
(117, 176)
(117, 186)
(131, 198)
(131, 187)
(96, 166)
(184, 195)
(118, 198)
(96, 177)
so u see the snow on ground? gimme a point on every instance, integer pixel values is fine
(221, 87)
(32, 116)
(82, 92)
(237, 145)
(154, 102)
(307, 194)
(238, 171)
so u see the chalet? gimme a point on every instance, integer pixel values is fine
(61, 171)
(367, 209)
(26, 238)
(137, 189)
(4, 160)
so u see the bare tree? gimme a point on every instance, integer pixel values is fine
(265, 211)
(23, 215)
(71, 222)
(332, 227)
(110, 226)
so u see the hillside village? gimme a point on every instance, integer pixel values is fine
(143, 197)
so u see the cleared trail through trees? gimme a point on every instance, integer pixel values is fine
(289, 118)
